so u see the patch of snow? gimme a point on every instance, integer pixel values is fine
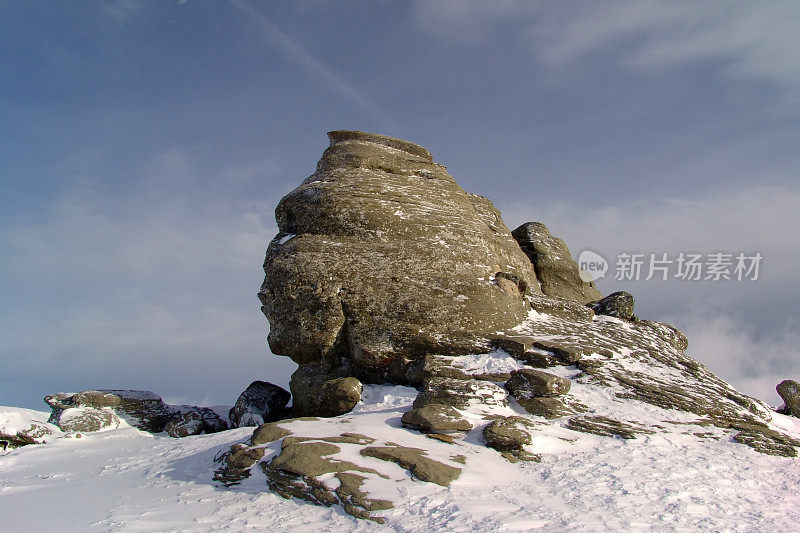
(126, 479)
(286, 238)
(16, 419)
(497, 362)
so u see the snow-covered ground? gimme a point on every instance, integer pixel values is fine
(125, 479)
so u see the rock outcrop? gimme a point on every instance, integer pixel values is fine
(18, 428)
(553, 264)
(98, 410)
(382, 258)
(386, 272)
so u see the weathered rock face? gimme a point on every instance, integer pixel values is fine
(382, 258)
(554, 266)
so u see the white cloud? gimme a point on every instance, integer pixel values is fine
(751, 219)
(746, 331)
(731, 348)
(750, 40)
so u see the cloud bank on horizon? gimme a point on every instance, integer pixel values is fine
(147, 144)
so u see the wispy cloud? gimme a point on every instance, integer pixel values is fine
(305, 60)
(747, 40)
(152, 287)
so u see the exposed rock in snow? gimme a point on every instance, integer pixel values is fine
(435, 418)
(191, 420)
(259, 403)
(100, 410)
(88, 419)
(527, 383)
(20, 427)
(141, 409)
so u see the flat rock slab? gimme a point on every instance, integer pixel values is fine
(312, 459)
(607, 427)
(461, 393)
(436, 418)
(415, 461)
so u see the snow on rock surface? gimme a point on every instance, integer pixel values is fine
(20, 427)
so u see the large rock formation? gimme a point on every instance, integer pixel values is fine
(382, 258)
(385, 271)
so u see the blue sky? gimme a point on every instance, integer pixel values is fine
(144, 146)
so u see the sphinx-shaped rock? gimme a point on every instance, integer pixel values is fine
(382, 258)
(554, 266)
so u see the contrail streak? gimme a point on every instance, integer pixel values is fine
(313, 66)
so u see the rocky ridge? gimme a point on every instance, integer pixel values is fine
(421, 286)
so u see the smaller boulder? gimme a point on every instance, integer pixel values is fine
(261, 402)
(184, 424)
(618, 304)
(789, 390)
(435, 418)
(316, 393)
(507, 433)
(528, 383)
(192, 420)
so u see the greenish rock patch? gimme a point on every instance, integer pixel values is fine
(416, 461)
